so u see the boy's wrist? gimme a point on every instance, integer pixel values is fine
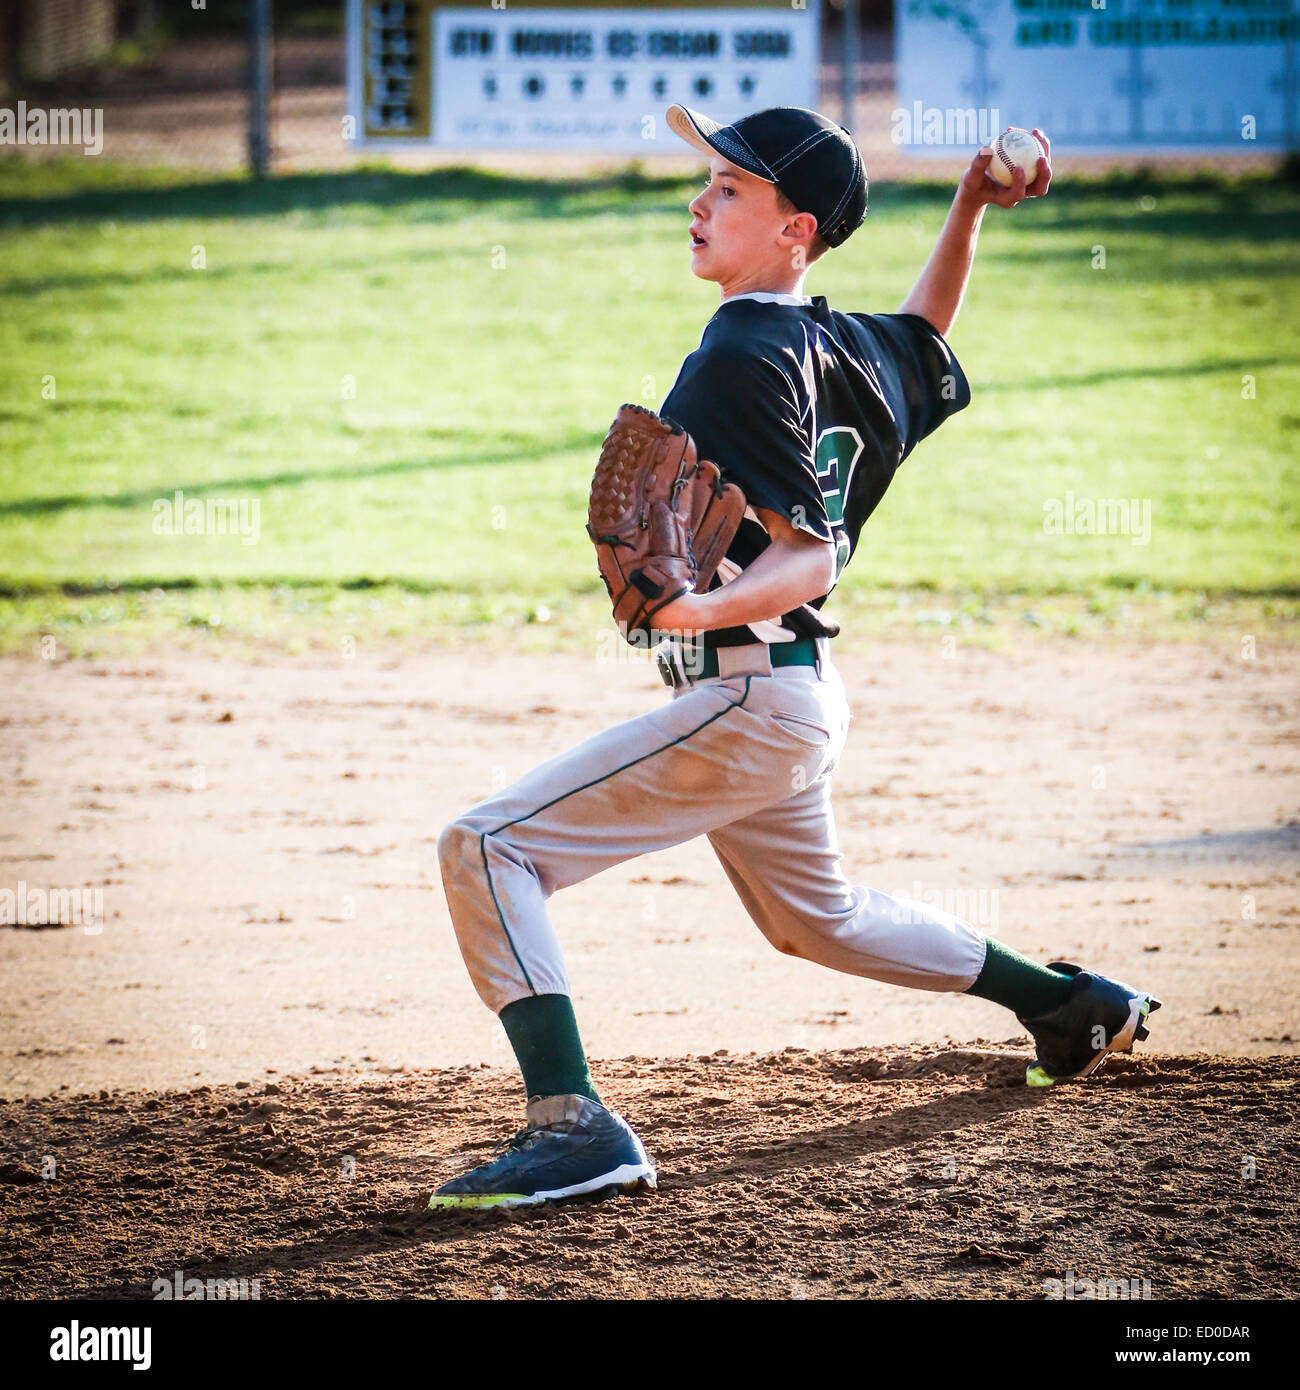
(683, 616)
(968, 204)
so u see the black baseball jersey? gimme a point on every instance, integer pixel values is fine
(810, 411)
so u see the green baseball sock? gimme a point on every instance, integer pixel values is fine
(1018, 983)
(544, 1034)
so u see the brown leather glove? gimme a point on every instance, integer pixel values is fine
(660, 518)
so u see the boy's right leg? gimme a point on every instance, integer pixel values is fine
(713, 754)
(784, 862)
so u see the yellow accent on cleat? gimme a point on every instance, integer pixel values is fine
(1036, 1076)
(468, 1200)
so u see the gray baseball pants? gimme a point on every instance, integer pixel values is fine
(745, 758)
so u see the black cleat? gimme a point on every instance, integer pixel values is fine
(1101, 1016)
(569, 1147)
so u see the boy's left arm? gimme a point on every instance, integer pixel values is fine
(938, 292)
(794, 568)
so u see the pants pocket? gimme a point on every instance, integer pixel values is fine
(806, 731)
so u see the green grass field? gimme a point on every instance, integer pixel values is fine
(411, 375)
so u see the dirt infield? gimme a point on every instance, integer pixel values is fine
(889, 1173)
(263, 837)
(265, 1052)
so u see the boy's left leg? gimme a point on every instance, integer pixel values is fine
(712, 754)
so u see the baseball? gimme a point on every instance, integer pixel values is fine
(1015, 147)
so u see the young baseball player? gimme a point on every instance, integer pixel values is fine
(810, 412)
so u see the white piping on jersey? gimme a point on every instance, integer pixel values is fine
(809, 420)
(815, 434)
(765, 629)
(771, 297)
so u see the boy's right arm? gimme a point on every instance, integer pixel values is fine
(938, 292)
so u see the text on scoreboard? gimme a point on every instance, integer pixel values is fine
(1104, 74)
(571, 77)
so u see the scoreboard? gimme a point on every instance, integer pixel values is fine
(573, 76)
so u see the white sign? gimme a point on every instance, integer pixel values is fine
(1100, 75)
(575, 78)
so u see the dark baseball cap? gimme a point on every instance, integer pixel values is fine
(813, 161)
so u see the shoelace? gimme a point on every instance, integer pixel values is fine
(516, 1141)
(519, 1141)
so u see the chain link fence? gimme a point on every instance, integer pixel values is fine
(175, 86)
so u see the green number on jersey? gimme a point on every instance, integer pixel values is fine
(838, 449)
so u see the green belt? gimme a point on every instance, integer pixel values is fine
(800, 653)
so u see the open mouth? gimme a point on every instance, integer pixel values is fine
(697, 241)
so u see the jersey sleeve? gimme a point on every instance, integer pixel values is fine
(923, 381)
(754, 421)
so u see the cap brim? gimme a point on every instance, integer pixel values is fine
(709, 137)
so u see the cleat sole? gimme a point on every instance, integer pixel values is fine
(627, 1179)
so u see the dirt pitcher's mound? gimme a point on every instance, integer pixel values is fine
(870, 1172)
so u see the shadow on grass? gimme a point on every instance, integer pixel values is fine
(1228, 219)
(1117, 584)
(146, 496)
(1109, 375)
(239, 196)
(97, 281)
(152, 195)
(183, 583)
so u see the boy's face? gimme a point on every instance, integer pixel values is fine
(736, 225)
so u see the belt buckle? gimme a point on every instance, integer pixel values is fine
(667, 668)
